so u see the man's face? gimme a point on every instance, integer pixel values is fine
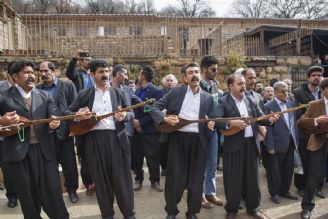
(25, 78)
(259, 87)
(250, 78)
(281, 94)
(315, 78)
(268, 93)
(325, 92)
(101, 76)
(289, 85)
(211, 72)
(47, 75)
(169, 81)
(326, 58)
(192, 76)
(238, 87)
(122, 75)
(85, 62)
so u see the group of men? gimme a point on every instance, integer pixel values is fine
(188, 156)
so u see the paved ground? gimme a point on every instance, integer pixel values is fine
(149, 204)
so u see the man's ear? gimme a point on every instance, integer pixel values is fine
(15, 77)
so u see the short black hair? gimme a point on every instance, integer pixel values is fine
(191, 64)
(98, 63)
(51, 65)
(207, 61)
(314, 68)
(10, 64)
(118, 68)
(324, 83)
(17, 66)
(131, 82)
(148, 72)
(273, 81)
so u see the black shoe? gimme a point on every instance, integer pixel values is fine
(289, 196)
(300, 193)
(130, 217)
(73, 197)
(320, 194)
(170, 216)
(137, 186)
(12, 202)
(306, 214)
(275, 199)
(191, 216)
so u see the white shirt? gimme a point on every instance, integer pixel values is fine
(283, 107)
(241, 105)
(190, 110)
(22, 92)
(102, 105)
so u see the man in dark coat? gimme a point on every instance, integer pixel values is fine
(241, 149)
(308, 91)
(30, 154)
(64, 93)
(187, 145)
(146, 136)
(107, 143)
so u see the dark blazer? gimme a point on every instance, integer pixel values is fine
(172, 102)
(278, 135)
(259, 99)
(43, 107)
(65, 95)
(3, 85)
(145, 120)
(86, 98)
(75, 75)
(228, 108)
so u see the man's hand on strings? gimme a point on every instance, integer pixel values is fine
(81, 114)
(240, 124)
(171, 120)
(120, 116)
(274, 117)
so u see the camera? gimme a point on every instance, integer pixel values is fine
(84, 54)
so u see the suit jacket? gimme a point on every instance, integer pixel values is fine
(277, 136)
(43, 107)
(303, 95)
(75, 75)
(228, 108)
(86, 98)
(3, 85)
(315, 109)
(145, 120)
(172, 102)
(65, 95)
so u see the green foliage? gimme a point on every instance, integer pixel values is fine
(232, 63)
(134, 71)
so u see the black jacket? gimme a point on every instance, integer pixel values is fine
(86, 98)
(65, 96)
(75, 75)
(43, 107)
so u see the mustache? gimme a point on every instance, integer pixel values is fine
(104, 78)
(195, 78)
(43, 77)
(28, 80)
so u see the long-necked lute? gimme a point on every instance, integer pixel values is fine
(235, 130)
(83, 126)
(167, 128)
(9, 130)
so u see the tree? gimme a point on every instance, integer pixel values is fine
(287, 8)
(189, 8)
(251, 8)
(314, 9)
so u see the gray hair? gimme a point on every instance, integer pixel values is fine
(174, 79)
(279, 85)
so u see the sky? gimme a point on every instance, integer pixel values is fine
(219, 6)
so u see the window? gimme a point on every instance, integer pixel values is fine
(61, 31)
(135, 30)
(82, 31)
(111, 30)
(163, 30)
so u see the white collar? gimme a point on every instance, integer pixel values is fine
(22, 92)
(190, 91)
(236, 100)
(326, 101)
